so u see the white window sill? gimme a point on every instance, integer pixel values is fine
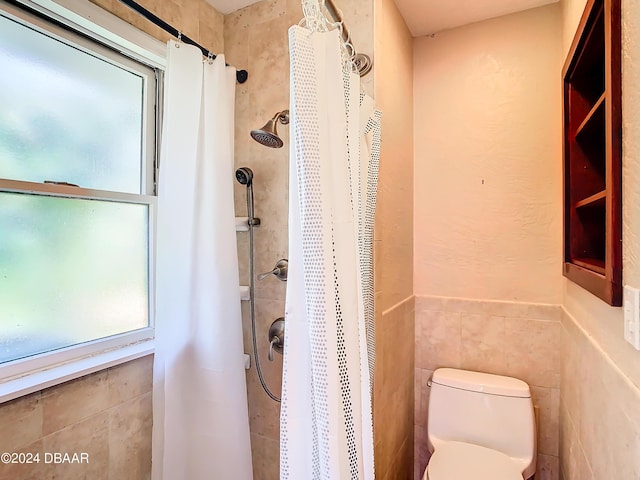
(57, 374)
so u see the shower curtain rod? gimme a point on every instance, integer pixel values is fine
(241, 75)
(363, 62)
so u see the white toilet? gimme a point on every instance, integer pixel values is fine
(481, 427)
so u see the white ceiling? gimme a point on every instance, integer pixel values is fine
(424, 17)
(227, 6)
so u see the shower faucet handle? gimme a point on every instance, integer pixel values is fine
(276, 337)
(274, 343)
(280, 271)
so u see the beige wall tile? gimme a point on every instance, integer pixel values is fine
(210, 28)
(482, 343)
(394, 386)
(77, 419)
(266, 458)
(25, 471)
(264, 413)
(417, 396)
(548, 402)
(195, 18)
(21, 422)
(600, 419)
(464, 305)
(547, 467)
(129, 439)
(179, 15)
(439, 341)
(130, 379)
(572, 391)
(574, 463)
(614, 449)
(90, 436)
(402, 465)
(532, 351)
(73, 401)
(422, 405)
(421, 452)
(535, 311)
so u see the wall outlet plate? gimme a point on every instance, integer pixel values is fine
(631, 302)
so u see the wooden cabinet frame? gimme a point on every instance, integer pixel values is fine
(592, 153)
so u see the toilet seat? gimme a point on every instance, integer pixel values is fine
(462, 461)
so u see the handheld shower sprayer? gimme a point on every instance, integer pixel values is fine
(244, 176)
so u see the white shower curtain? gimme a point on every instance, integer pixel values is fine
(200, 418)
(326, 420)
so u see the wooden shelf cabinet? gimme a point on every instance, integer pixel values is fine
(592, 153)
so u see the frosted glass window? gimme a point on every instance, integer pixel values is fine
(71, 271)
(75, 263)
(68, 115)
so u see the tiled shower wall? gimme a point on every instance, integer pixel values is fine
(394, 324)
(195, 18)
(521, 340)
(256, 39)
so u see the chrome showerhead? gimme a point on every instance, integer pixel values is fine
(268, 135)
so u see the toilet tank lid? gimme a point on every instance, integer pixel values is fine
(481, 382)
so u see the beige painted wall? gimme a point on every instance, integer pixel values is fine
(600, 418)
(487, 172)
(393, 248)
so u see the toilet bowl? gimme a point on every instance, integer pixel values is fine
(480, 426)
(462, 461)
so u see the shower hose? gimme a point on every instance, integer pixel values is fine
(252, 302)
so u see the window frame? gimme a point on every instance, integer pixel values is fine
(99, 33)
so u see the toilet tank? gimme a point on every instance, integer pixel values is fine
(488, 410)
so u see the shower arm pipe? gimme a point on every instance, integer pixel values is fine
(337, 17)
(363, 62)
(241, 75)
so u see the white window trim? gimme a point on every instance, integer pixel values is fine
(78, 367)
(52, 368)
(88, 18)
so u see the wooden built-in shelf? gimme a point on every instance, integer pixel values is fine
(596, 200)
(595, 115)
(592, 153)
(594, 264)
